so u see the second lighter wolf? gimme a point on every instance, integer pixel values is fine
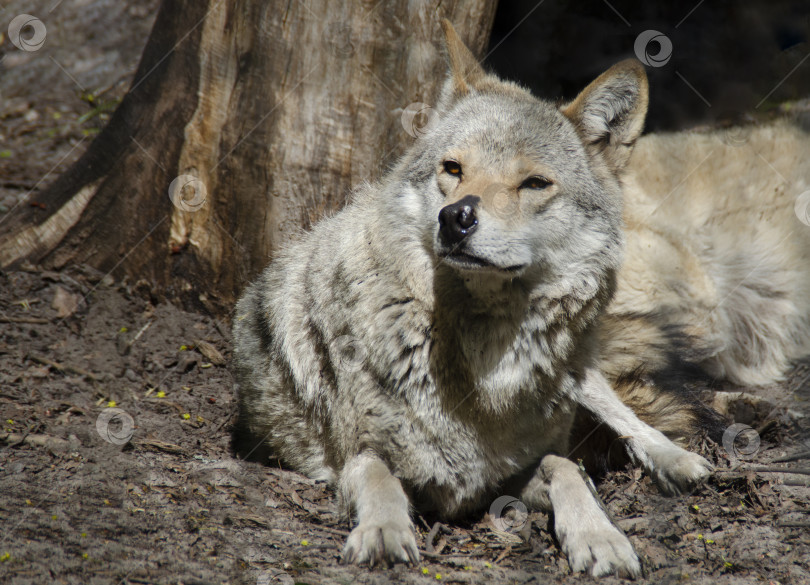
(432, 343)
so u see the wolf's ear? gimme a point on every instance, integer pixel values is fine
(465, 74)
(609, 113)
(465, 71)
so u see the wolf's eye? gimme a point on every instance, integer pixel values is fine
(537, 183)
(452, 167)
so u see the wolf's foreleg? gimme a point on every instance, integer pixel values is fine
(384, 533)
(587, 536)
(674, 469)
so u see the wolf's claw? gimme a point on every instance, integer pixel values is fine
(600, 550)
(383, 543)
(676, 470)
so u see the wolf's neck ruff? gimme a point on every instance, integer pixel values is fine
(486, 321)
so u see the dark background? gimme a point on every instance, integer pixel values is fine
(733, 53)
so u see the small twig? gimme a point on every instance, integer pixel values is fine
(797, 482)
(795, 457)
(794, 523)
(502, 556)
(221, 330)
(464, 557)
(730, 474)
(19, 439)
(771, 469)
(35, 440)
(139, 333)
(62, 368)
(104, 90)
(440, 545)
(327, 546)
(25, 303)
(766, 426)
(332, 530)
(162, 446)
(252, 520)
(424, 524)
(432, 536)
(164, 402)
(30, 320)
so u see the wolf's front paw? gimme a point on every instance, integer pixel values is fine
(385, 542)
(599, 549)
(676, 470)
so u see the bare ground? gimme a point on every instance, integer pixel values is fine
(154, 494)
(82, 504)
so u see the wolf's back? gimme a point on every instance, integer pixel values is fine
(716, 278)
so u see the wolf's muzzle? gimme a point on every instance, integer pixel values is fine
(458, 220)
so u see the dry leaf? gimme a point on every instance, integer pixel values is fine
(65, 302)
(210, 352)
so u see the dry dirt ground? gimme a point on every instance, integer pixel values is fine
(116, 413)
(116, 467)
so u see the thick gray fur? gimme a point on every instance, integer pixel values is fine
(370, 356)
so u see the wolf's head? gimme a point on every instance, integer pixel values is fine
(510, 186)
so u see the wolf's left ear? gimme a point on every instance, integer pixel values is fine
(609, 113)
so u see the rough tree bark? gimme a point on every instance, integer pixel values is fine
(246, 121)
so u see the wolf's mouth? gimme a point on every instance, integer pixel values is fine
(466, 261)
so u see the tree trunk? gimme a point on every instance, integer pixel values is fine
(246, 121)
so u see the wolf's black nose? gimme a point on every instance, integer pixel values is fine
(458, 220)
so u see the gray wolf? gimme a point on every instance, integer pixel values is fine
(437, 338)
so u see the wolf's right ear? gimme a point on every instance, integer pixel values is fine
(465, 72)
(609, 113)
